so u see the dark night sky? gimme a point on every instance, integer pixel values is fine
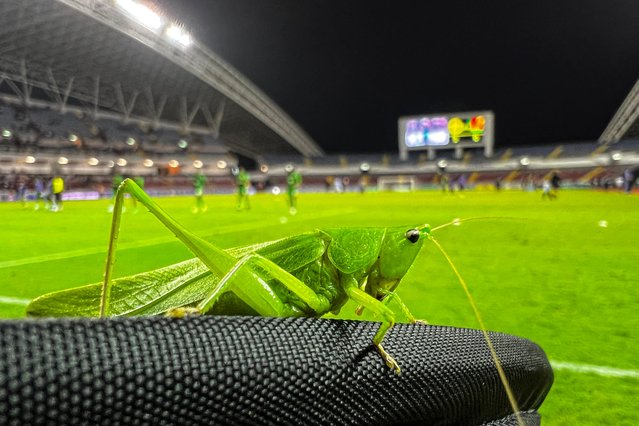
(552, 70)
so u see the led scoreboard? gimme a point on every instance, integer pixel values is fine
(456, 131)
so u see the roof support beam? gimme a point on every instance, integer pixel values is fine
(155, 111)
(25, 82)
(214, 122)
(192, 114)
(125, 107)
(150, 103)
(96, 97)
(65, 98)
(16, 89)
(625, 116)
(54, 85)
(107, 115)
(160, 110)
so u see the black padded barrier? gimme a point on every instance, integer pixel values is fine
(252, 370)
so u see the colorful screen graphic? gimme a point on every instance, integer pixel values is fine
(442, 130)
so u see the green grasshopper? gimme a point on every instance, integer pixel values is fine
(305, 275)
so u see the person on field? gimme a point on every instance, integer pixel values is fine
(293, 182)
(57, 188)
(199, 181)
(243, 181)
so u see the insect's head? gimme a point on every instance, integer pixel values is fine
(399, 250)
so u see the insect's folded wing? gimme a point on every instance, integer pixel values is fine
(251, 370)
(147, 293)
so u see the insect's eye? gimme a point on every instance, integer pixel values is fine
(412, 235)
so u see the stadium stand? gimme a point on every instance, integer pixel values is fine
(66, 108)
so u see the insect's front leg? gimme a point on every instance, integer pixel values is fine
(391, 295)
(388, 318)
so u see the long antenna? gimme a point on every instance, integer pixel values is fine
(458, 221)
(493, 353)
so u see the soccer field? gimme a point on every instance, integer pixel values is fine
(561, 273)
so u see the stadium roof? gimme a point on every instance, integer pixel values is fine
(625, 123)
(122, 60)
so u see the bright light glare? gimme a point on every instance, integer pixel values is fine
(442, 164)
(617, 156)
(438, 137)
(222, 164)
(141, 13)
(276, 190)
(121, 162)
(73, 138)
(6, 133)
(264, 168)
(29, 159)
(63, 160)
(130, 141)
(198, 164)
(111, 163)
(174, 163)
(524, 161)
(178, 34)
(93, 161)
(182, 143)
(148, 162)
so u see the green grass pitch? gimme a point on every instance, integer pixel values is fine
(562, 273)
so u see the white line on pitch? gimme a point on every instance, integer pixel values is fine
(594, 369)
(143, 243)
(14, 301)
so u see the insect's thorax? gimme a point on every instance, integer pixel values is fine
(376, 284)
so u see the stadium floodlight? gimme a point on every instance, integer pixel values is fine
(29, 159)
(130, 141)
(121, 162)
(222, 164)
(198, 164)
(178, 34)
(73, 137)
(524, 161)
(63, 160)
(148, 162)
(93, 161)
(174, 163)
(182, 143)
(141, 13)
(264, 168)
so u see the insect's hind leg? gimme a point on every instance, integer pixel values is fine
(248, 280)
(216, 259)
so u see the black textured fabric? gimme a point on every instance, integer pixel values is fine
(250, 370)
